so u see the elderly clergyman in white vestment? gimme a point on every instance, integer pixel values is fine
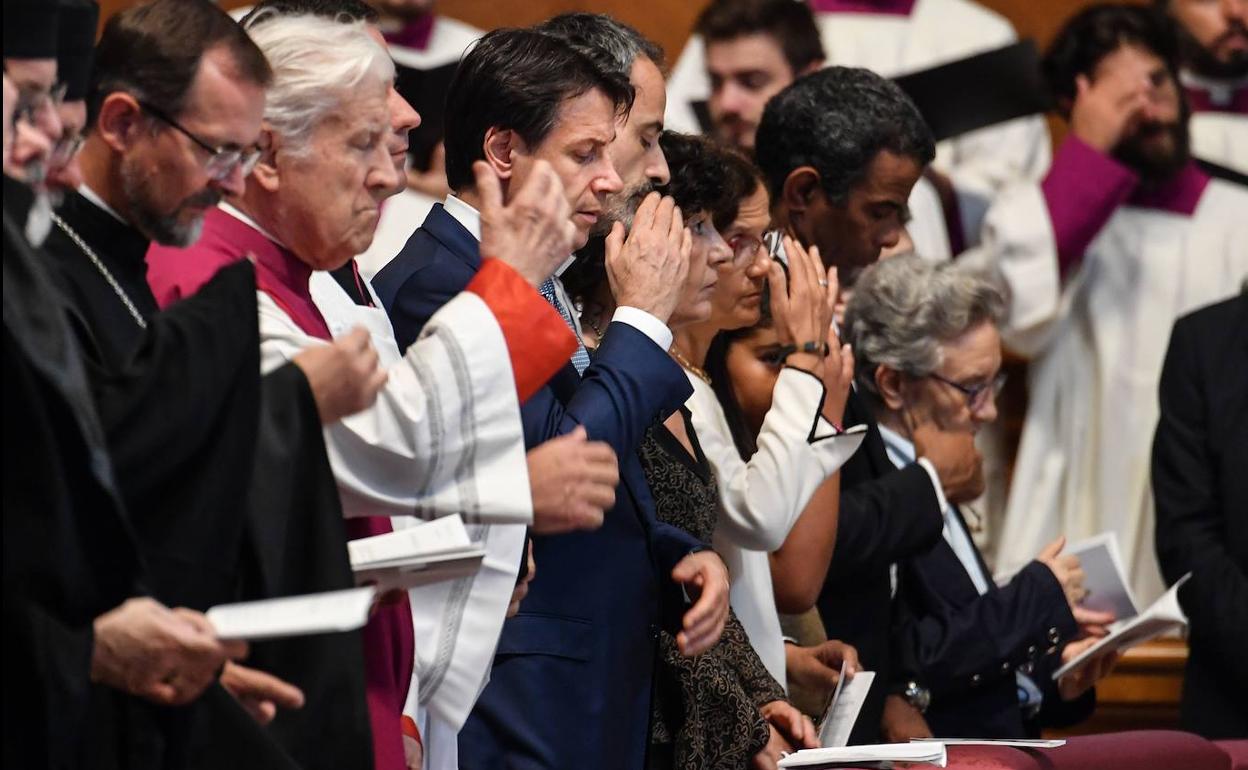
(447, 419)
(1123, 236)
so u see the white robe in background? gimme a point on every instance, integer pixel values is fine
(760, 500)
(1096, 342)
(1219, 129)
(935, 32)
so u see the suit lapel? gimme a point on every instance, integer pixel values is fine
(447, 230)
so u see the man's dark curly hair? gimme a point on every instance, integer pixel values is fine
(836, 121)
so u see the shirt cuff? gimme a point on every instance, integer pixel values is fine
(940, 492)
(645, 323)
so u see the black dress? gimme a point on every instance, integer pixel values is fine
(705, 707)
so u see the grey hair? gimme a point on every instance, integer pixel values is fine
(905, 308)
(609, 40)
(318, 65)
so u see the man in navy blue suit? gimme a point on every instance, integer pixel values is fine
(572, 675)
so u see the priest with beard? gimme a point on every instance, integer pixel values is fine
(174, 118)
(1124, 235)
(1213, 51)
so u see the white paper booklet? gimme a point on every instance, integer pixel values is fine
(842, 712)
(1018, 743)
(1163, 616)
(323, 613)
(427, 553)
(1105, 579)
(878, 755)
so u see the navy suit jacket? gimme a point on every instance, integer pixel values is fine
(572, 675)
(966, 648)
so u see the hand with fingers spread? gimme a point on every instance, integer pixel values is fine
(168, 656)
(573, 481)
(261, 694)
(533, 231)
(1067, 570)
(1104, 110)
(1080, 680)
(705, 579)
(801, 307)
(647, 269)
(344, 375)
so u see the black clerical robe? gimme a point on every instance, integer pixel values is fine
(229, 489)
(68, 552)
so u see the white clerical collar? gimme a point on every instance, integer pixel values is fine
(95, 198)
(1220, 91)
(470, 218)
(242, 217)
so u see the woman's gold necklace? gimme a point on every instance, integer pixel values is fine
(698, 372)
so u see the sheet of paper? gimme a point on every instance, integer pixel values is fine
(1018, 743)
(328, 612)
(879, 755)
(432, 570)
(1164, 615)
(413, 544)
(1105, 580)
(842, 713)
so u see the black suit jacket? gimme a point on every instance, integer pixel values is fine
(1200, 485)
(966, 648)
(887, 514)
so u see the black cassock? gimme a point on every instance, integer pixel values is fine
(68, 552)
(231, 494)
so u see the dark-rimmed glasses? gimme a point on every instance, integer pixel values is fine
(221, 160)
(976, 395)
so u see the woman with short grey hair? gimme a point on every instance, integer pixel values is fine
(928, 359)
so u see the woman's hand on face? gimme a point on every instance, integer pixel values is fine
(802, 306)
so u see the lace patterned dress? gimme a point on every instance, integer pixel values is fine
(706, 707)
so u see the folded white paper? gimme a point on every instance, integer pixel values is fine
(429, 552)
(1163, 616)
(328, 612)
(1105, 579)
(878, 755)
(1018, 743)
(842, 712)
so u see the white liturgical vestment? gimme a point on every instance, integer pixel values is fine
(1135, 260)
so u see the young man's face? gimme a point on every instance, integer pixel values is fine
(1215, 35)
(576, 149)
(745, 72)
(1156, 143)
(851, 236)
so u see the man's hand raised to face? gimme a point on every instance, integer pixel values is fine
(1104, 110)
(533, 232)
(647, 269)
(573, 481)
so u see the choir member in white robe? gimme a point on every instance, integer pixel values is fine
(1213, 46)
(1124, 235)
(898, 37)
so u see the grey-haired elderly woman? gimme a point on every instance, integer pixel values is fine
(929, 355)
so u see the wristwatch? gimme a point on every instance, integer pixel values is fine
(919, 697)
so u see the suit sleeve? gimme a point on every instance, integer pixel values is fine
(885, 520)
(1191, 532)
(1027, 621)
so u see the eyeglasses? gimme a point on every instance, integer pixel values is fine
(32, 101)
(745, 249)
(221, 160)
(66, 148)
(976, 395)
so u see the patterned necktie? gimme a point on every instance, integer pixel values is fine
(580, 359)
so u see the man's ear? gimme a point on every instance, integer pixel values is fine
(120, 121)
(799, 190)
(889, 383)
(501, 146)
(266, 173)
